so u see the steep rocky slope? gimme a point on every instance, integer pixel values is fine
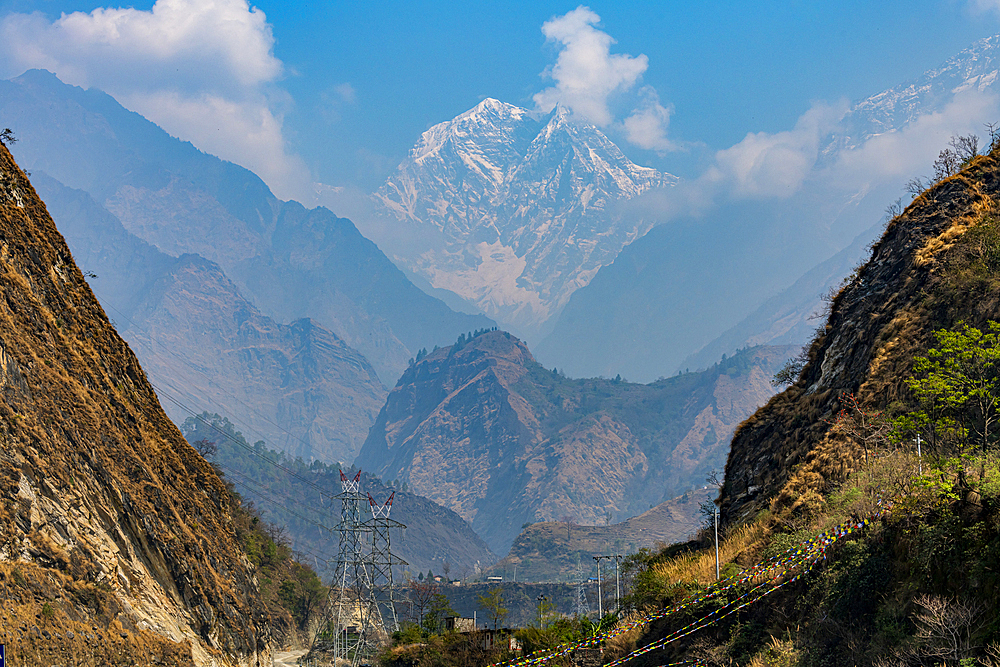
(512, 211)
(914, 283)
(907, 573)
(298, 386)
(115, 535)
(482, 428)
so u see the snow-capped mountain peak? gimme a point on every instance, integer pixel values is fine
(509, 209)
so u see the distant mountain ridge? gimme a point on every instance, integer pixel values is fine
(298, 386)
(512, 210)
(974, 68)
(180, 200)
(436, 538)
(481, 428)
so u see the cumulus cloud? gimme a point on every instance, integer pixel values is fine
(793, 169)
(586, 76)
(646, 126)
(775, 165)
(204, 70)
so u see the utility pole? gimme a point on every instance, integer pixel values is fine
(920, 460)
(600, 604)
(618, 584)
(540, 599)
(716, 542)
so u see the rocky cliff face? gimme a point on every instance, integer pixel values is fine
(115, 537)
(482, 428)
(930, 270)
(511, 211)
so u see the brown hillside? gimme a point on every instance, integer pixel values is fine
(483, 429)
(115, 539)
(933, 267)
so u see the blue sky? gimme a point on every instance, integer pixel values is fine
(337, 92)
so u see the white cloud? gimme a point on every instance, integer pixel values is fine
(586, 74)
(912, 149)
(985, 5)
(204, 70)
(646, 126)
(774, 165)
(346, 92)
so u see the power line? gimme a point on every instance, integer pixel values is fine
(245, 446)
(201, 372)
(327, 558)
(263, 489)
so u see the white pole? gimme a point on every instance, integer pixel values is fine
(600, 607)
(515, 573)
(920, 460)
(716, 542)
(618, 587)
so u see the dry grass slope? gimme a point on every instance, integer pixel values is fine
(97, 486)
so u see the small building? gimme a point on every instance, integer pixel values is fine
(459, 624)
(502, 637)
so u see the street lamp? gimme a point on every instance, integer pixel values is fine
(540, 599)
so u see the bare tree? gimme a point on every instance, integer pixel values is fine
(992, 657)
(994, 130)
(277, 533)
(205, 447)
(966, 147)
(947, 164)
(869, 428)
(916, 185)
(894, 209)
(790, 372)
(945, 626)
(7, 137)
(421, 595)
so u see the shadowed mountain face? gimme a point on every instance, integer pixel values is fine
(180, 200)
(102, 499)
(698, 283)
(511, 211)
(298, 386)
(482, 428)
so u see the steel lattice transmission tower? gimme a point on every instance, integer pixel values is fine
(382, 560)
(342, 631)
(360, 611)
(582, 606)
